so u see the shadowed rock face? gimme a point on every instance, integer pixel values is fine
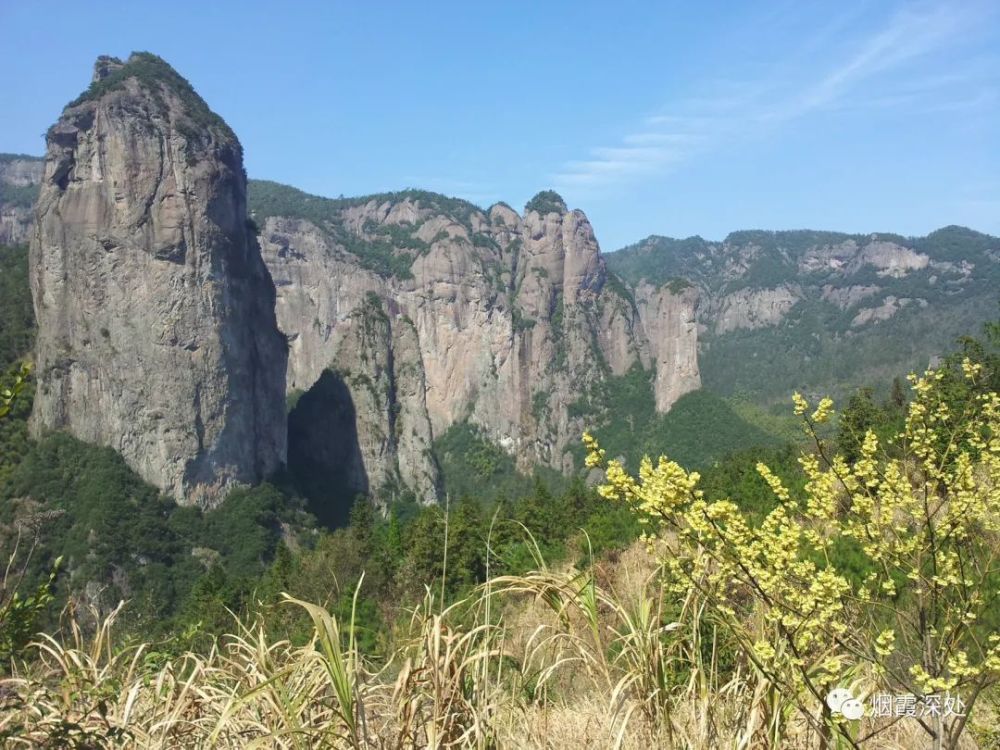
(156, 325)
(363, 427)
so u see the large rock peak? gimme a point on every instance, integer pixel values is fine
(561, 261)
(157, 333)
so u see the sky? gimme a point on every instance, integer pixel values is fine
(672, 118)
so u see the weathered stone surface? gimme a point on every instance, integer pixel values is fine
(668, 319)
(156, 326)
(754, 308)
(15, 224)
(889, 307)
(21, 171)
(847, 296)
(318, 287)
(890, 258)
(378, 359)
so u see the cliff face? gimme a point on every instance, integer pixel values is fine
(156, 327)
(432, 312)
(20, 177)
(668, 320)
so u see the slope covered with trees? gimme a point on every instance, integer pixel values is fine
(823, 312)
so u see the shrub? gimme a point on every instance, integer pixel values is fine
(917, 614)
(546, 202)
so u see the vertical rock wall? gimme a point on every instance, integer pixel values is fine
(156, 326)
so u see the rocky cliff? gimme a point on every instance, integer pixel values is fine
(427, 312)
(20, 177)
(156, 326)
(823, 311)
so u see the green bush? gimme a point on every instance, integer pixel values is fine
(546, 202)
(17, 316)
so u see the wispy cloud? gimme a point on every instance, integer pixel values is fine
(910, 34)
(882, 67)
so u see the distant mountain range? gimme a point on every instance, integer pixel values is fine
(823, 312)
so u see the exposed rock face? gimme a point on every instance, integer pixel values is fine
(847, 296)
(754, 308)
(378, 361)
(890, 258)
(502, 321)
(156, 326)
(19, 171)
(889, 307)
(19, 180)
(668, 320)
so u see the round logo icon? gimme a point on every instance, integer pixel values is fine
(852, 709)
(841, 701)
(836, 697)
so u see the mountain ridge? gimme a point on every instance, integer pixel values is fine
(507, 319)
(830, 310)
(650, 239)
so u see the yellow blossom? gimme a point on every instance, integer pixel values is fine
(801, 405)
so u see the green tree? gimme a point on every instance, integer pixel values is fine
(424, 544)
(466, 545)
(20, 613)
(860, 415)
(538, 513)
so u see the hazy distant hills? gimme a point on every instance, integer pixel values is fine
(823, 311)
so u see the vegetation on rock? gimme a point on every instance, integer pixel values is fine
(824, 344)
(153, 72)
(389, 250)
(546, 202)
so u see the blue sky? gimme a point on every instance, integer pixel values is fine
(654, 117)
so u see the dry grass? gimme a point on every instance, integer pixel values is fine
(555, 659)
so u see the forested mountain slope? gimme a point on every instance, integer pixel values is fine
(823, 311)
